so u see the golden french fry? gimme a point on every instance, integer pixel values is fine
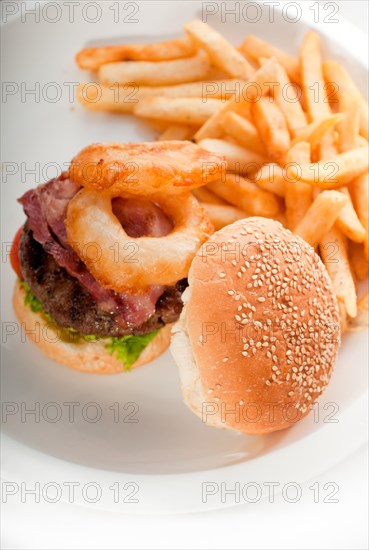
(348, 132)
(359, 190)
(298, 195)
(269, 78)
(362, 318)
(181, 110)
(312, 79)
(333, 250)
(362, 142)
(213, 127)
(270, 177)
(345, 92)
(93, 58)
(123, 98)
(272, 127)
(256, 48)
(359, 261)
(321, 216)
(348, 221)
(221, 53)
(326, 148)
(348, 129)
(246, 195)
(241, 129)
(240, 103)
(157, 73)
(176, 132)
(335, 172)
(287, 96)
(97, 97)
(203, 194)
(315, 131)
(262, 60)
(221, 215)
(239, 160)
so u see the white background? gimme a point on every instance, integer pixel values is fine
(304, 524)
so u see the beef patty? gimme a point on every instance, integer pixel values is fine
(71, 305)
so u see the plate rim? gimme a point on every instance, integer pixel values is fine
(354, 43)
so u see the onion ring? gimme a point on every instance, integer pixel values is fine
(123, 263)
(126, 169)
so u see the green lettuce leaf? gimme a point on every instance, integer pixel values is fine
(127, 348)
(31, 300)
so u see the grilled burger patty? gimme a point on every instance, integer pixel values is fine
(71, 305)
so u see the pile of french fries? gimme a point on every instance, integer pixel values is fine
(294, 132)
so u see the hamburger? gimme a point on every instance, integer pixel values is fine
(76, 318)
(258, 335)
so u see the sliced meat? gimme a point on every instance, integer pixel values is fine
(71, 305)
(46, 208)
(141, 217)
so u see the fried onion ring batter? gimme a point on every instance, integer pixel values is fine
(123, 263)
(126, 169)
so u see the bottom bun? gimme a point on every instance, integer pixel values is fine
(83, 356)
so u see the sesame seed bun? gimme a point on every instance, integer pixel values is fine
(85, 356)
(259, 333)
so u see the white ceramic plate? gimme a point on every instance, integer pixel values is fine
(156, 452)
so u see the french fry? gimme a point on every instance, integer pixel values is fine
(272, 79)
(272, 127)
(287, 97)
(176, 132)
(348, 221)
(241, 129)
(157, 125)
(359, 191)
(298, 195)
(123, 98)
(362, 142)
(362, 318)
(203, 194)
(181, 110)
(157, 73)
(221, 53)
(346, 93)
(245, 195)
(335, 172)
(321, 216)
(270, 177)
(349, 128)
(315, 131)
(92, 58)
(326, 148)
(262, 60)
(256, 48)
(333, 250)
(239, 160)
(271, 76)
(221, 215)
(213, 127)
(359, 261)
(97, 97)
(312, 79)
